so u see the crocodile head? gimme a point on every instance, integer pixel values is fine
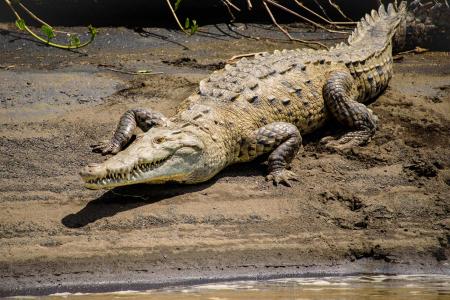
(158, 156)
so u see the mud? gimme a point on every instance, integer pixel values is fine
(382, 208)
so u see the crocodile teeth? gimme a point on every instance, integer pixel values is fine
(134, 173)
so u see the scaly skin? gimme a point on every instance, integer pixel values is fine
(254, 107)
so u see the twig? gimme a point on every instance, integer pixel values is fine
(322, 9)
(322, 18)
(302, 17)
(12, 9)
(143, 72)
(286, 32)
(339, 10)
(47, 42)
(229, 11)
(232, 59)
(31, 14)
(232, 5)
(176, 18)
(417, 50)
(249, 5)
(7, 67)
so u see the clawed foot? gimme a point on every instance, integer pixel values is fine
(347, 141)
(105, 148)
(282, 176)
(336, 144)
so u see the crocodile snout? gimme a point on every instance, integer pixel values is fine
(92, 170)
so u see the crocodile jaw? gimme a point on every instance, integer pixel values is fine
(112, 173)
(177, 159)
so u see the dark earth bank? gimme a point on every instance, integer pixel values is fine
(157, 12)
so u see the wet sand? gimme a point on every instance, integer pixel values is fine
(383, 208)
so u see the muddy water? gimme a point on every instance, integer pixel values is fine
(423, 287)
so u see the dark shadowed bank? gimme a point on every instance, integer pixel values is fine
(383, 208)
(156, 12)
(432, 26)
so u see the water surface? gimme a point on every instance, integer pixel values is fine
(411, 287)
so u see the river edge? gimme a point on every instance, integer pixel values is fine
(116, 282)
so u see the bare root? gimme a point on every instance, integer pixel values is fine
(176, 18)
(236, 57)
(320, 17)
(303, 18)
(308, 43)
(339, 10)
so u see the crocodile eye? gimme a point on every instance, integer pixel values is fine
(159, 140)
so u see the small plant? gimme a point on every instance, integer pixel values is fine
(190, 26)
(177, 4)
(73, 39)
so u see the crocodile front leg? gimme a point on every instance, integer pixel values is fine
(339, 93)
(137, 117)
(280, 138)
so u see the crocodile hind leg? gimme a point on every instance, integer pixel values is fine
(339, 93)
(283, 140)
(138, 117)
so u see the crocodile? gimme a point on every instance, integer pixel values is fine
(257, 106)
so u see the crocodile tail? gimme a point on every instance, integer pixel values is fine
(426, 25)
(379, 25)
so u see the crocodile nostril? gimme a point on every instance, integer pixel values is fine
(84, 171)
(159, 140)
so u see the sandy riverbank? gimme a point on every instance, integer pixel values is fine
(382, 208)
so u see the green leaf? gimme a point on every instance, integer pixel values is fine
(92, 30)
(177, 4)
(186, 23)
(20, 23)
(74, 40)
(194, 27)
(48, 31)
